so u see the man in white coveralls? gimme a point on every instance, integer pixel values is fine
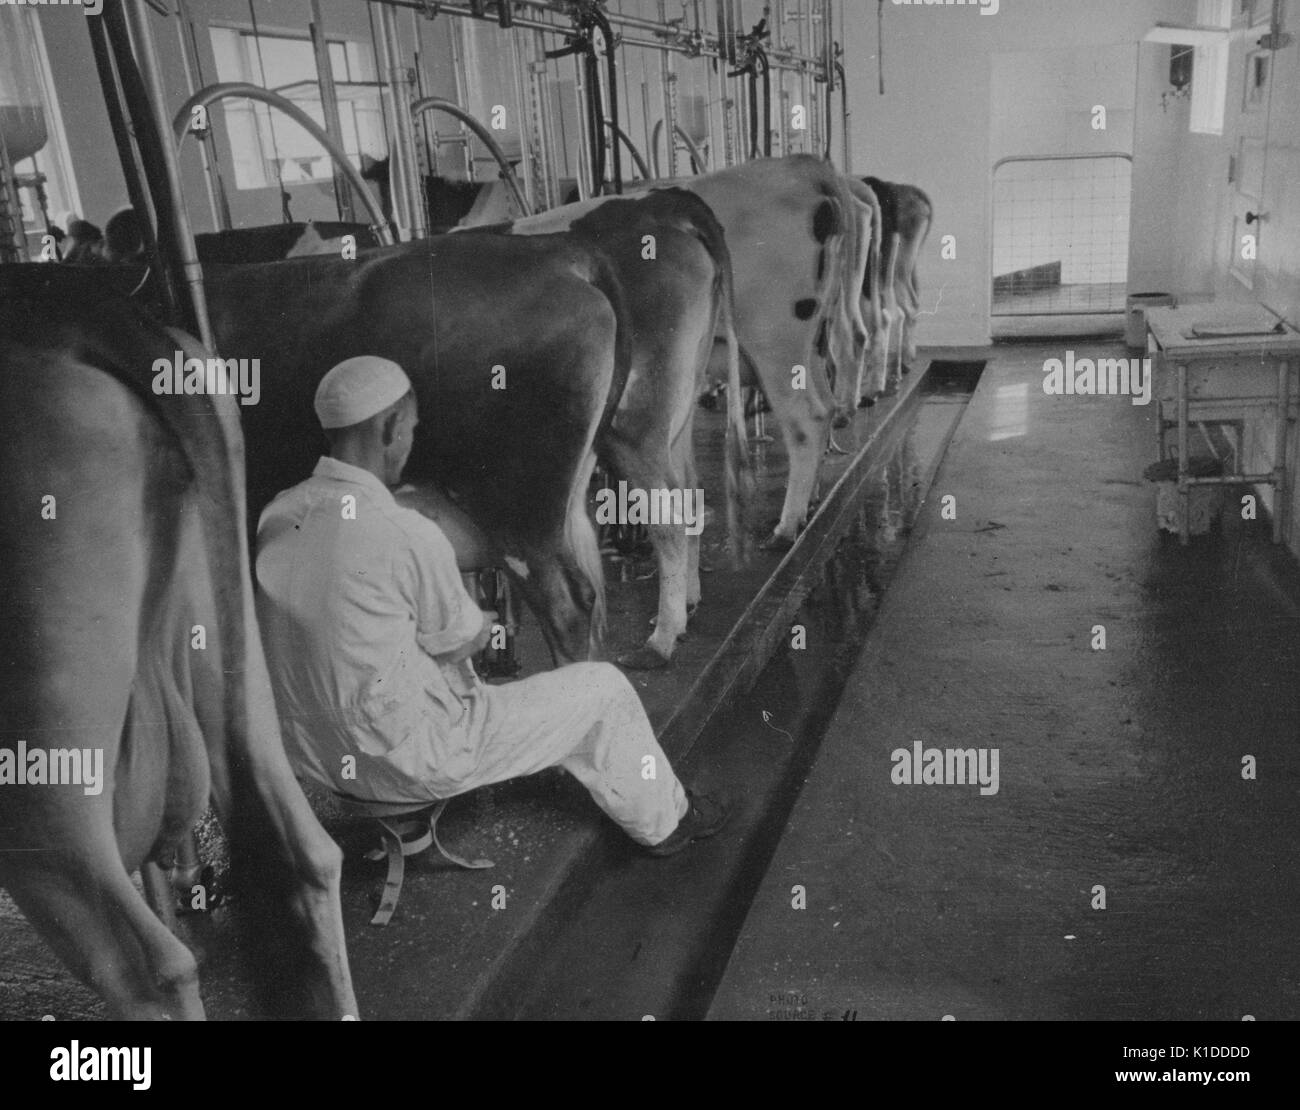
(369, 632)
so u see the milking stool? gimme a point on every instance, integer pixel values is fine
(405, 829)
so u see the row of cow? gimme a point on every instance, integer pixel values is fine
(600, 320)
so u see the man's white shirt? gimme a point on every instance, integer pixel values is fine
(357, 595)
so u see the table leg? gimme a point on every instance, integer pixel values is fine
(1184, 491)
(1280, 493)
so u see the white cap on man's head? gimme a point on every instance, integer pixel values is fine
(359, 388)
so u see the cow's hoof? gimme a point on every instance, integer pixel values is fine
(841, 420)
(776, 542)
(645, 658)
(866, 402)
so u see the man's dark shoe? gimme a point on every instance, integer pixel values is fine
(707, 815)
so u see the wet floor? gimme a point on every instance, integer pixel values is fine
(1126, 868)
(652, 937)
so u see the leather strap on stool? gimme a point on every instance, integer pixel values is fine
(406, 832)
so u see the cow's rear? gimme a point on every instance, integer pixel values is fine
(127, 632)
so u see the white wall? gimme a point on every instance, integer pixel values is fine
(934, 126)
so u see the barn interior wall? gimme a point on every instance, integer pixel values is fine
(934, 126)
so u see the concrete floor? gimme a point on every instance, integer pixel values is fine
(1119, 768)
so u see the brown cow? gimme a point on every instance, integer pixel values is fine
(129, 634)
(671, 258)
(906, 215)
(518, 352)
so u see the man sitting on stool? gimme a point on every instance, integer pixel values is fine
(369, 633)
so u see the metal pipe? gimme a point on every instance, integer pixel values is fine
(525, 142)
(780, 58)
(697, 159)
(230, 89)
(435, 103)
(601, 20)
(847, 117)
(457, 43)
(622, 135)
(404, 177)
(329, 101)
(142, 84)
(668, 80)
(218, 210)
(119, 119)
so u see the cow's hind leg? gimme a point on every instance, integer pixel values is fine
(85, 906)
(559, 575)
(75, 598)
(805, 418)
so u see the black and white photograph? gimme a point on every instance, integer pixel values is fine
(651, 510)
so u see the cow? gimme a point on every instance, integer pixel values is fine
(447, 201)
(278, 241)
(129, 635)
(790, 227)
(518, 350)
(906, 215)
(671, 257)
(849, 337)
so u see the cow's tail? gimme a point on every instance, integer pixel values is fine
(738, 467)
(829, 288)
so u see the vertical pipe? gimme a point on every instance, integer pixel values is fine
(526, 120)
(668, 79)
(457, 42)
(158, 152)
(329, 102)
(408, 195)
(189, 55)
(584, 172)
(119, 120)
(549, 169)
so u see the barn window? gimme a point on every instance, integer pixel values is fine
(265, 144)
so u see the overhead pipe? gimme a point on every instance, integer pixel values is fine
(243, 90)
(671, 37)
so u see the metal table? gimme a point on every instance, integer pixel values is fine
(1221, 381)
